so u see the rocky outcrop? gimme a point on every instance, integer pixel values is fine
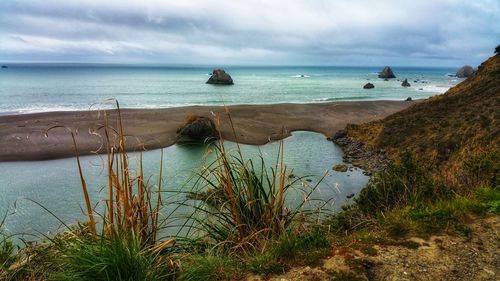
(368, 86)
(405, 83)
(220, 77)
(465, 71)
(198, 130)
(386, 73)
(359, 154)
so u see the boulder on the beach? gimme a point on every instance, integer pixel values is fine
(368, 86)
(409, 99)
(386, 73)
(220, 77)
(465, 71)
(405, 83)
(198, 129)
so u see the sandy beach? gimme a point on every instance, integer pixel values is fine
(42, 136)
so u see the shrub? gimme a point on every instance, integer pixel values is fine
(484, 169)
(92, 257)
(6, 248)
(305, 248)
(397, 186)
(210, 267)
(243, 203)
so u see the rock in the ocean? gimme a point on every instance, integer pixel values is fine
(405, 83)
(340, 168)
(198, 129)
(219, 76)
(465, 71)
(4, 66)
(368, 86)
(409, 99)
(386, 73)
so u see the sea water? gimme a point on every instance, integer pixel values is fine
(40, 196)
(26, 88)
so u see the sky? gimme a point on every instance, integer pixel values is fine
(251, 32)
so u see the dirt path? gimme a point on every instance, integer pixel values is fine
(441, 257)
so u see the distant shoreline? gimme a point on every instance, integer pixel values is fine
(22, 136)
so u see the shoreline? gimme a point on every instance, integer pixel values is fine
(26, 137)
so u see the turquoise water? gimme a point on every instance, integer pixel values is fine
(55, 184)
(52, 87)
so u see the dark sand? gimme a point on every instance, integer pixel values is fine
(27, 136)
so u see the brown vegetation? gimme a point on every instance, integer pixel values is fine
(445, 130)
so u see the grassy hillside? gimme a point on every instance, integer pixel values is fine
(457, 132)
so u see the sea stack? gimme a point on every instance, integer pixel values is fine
(368, 86)
(405, 83)
(465, 71)
(220, 77)
(386, 73)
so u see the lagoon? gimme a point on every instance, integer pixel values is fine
(55, 185)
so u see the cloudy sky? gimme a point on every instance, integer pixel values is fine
(256, 32)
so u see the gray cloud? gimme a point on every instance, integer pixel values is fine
(439, 32)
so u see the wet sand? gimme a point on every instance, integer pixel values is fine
(42, 136)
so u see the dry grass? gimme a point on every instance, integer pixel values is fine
(130, 204)
(244, 201)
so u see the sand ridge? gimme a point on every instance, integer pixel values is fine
(41, 136)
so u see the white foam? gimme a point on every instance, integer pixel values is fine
(300, 76)
(434, 88)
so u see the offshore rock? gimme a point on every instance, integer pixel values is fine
(465, 71)
(368, 86)
(386, 73)
(405, 83)
(220, 77)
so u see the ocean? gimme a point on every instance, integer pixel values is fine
(27, 88)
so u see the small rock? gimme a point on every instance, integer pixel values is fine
(405, 83)
(340, 168)
(368, 86)
(408, 99)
